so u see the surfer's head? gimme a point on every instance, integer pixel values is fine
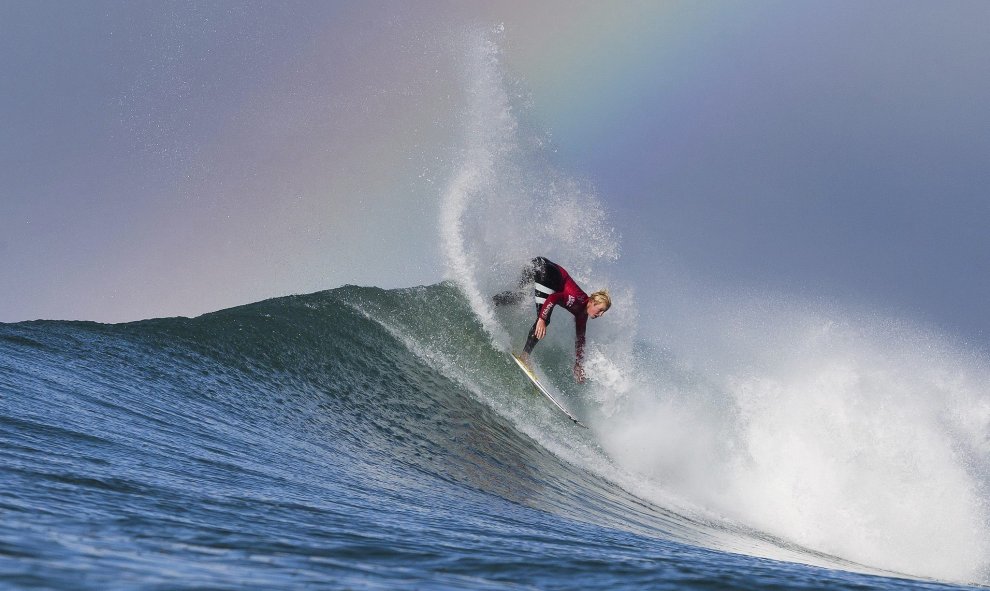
(598, 303)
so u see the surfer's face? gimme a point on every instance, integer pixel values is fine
(595, 309)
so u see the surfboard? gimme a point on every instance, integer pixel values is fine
(543, 390)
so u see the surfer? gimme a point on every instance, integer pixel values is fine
(553, 286)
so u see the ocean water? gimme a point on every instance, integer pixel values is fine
(361, 438)
(335, 440)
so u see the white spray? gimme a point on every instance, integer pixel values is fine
(500, 209)
(830, 429)
(843, 432)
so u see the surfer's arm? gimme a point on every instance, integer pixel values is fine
(547, 308)
(543, 318)
(540, 330)
(579, 373)
(580, 324)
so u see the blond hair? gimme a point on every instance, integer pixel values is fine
(601, 297)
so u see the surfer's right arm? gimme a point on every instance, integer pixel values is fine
(547, 308)
(540, 330)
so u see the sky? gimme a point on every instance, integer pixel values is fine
(161, 159)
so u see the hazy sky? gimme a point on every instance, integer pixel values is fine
(176, 158)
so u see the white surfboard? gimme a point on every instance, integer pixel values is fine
(543, 390)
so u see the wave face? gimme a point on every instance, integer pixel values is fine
(350, 438)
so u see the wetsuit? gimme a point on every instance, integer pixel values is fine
(553, 286)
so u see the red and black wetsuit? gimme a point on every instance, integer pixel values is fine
(553, 286)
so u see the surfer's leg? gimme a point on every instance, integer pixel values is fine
(531, 340)
(529, 272)
(515, 296)
(507, 298)
(546, 280)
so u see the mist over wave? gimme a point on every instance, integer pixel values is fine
(829, 427)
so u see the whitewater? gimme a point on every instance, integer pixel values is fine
(362, 438)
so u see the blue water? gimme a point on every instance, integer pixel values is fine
(339, 440)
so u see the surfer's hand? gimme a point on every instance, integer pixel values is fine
(541, 329)
(578, 372)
